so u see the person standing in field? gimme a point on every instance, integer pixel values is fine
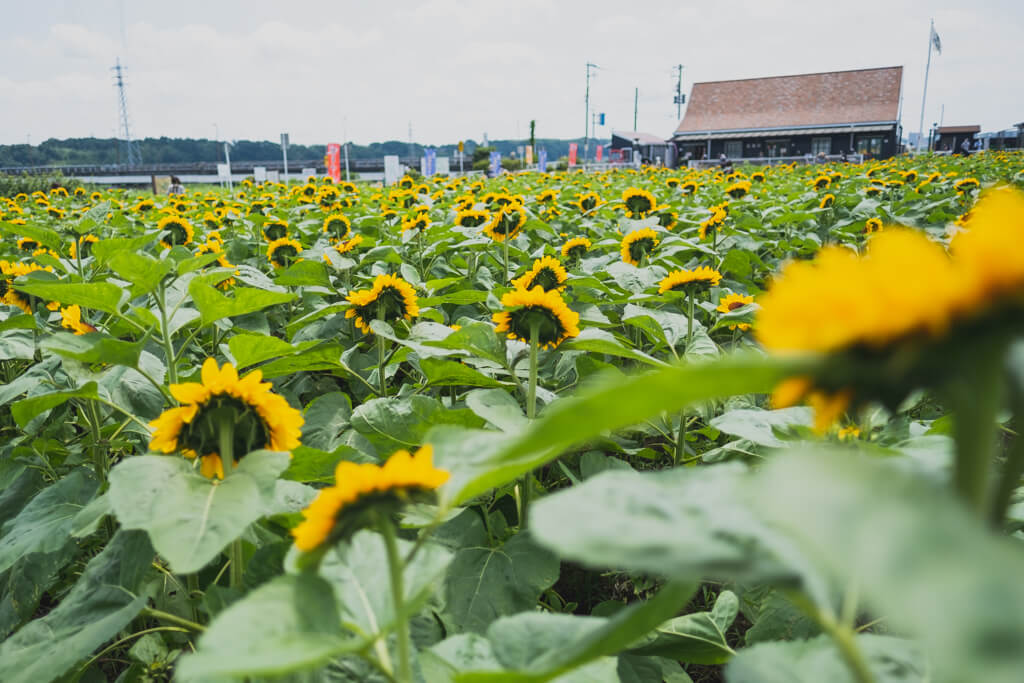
(175, 187)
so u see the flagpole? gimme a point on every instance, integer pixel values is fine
(924, 95)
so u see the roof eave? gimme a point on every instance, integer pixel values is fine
(723, 131)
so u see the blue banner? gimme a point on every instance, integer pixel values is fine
(542, 160)
(430, 159)
(495, 164)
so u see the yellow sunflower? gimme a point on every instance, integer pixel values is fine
(418, 221)
(505, 223)
(275, 229)
(730, 302)
(588, 202)
(283, 252)
(689, 279)
(337, 227)
(575, 248)
(175, 230)
(873, 225)
(638, 244)
(827, 201)
(638, 202)
(738, 189)
(71, 319)
(524, 309)
(389, 298)
(546, 273)
(348, 245)
(469, 218)
(27, 244)
(256, 417)
(339, 511)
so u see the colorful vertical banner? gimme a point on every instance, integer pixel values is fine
(334, 161)
(430, 161)
(599, 153)
(573, 147)
(529, 155)
(542, 160)
(495, 164)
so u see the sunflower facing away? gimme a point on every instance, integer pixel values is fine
(175, 230)
(687, 280)
(638, 244)
(546, 273)
(390, 298)
(283, 252)
(260, 418)
(339, 511)
(524, 308)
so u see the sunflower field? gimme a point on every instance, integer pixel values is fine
(636, 425)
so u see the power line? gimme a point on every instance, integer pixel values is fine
(130, 153)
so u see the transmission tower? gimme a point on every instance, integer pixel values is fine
(129, 148)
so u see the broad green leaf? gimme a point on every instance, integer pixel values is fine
(891, 660)
(759, 425)
(104, 600)
(498, 407)
(697, 638)
(26, 409)
(44, 525)
(98, 296)
(143, 271)
(317, 357)
(18, 343)
(290, 624)
(95, 347)
(18, 321)
(190, 518)
(445, 373)
(213, 305)
(358, 573)
(312, 465)
(326, 417)
(28, 579)
(44, 236)
(252, 349)
(780, 619)
(105, 249)
(479, 339)
(600, 341)
(304, 273)
(401, 423)
(483, 584)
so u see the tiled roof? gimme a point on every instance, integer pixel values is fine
(954, 130)
(831, 98)
(644, 138)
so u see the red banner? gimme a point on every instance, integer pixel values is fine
(334, 161)
(572, 153)
(599, 153)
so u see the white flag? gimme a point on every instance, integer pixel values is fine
(936, 42)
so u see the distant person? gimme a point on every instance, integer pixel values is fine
(175, 187)
(820, 159)
(976, 147)
(842, 156)
(965, 146)
(724, 162)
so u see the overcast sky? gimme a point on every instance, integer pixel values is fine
(458, 68)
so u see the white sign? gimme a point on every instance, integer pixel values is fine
(274, 176)
(307, 172)
(259, 173)
(443, 166)
(284, 141)
(392, 169)
(224, 171)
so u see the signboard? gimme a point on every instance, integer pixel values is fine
(274, 176)
(428, 165)
(308, 173)
(334, 161)
(495, 164)
(462, 147)
(259, 173)
(600, 119)
(573, 147)
(223, 171)
(529, 155)
(392, 169)
(161, 183)
(284, 141)
(542, 160)
(599, 153)
(443, 166)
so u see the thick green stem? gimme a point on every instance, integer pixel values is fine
(1013, 468)
(680, 439)
(975, 397)
(395, 569)
(165, 333)
(171, 619)
(689, 321)
(846, 640)
(226, 445)
(381, 356)
(504, 242)
(531, 413)
(99, 454)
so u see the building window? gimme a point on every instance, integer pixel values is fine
(821, 146)
(734, 149)
(870, 145)
(777, 148)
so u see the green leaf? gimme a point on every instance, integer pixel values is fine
(45, 523)
(95, 347)
(304, 273)
(609, 403)
(358, 573)
(326, 417)
(312, 465)
(449, 373)
(498, 407)
(391, 424)
(317, 357)
(45, 236)
(600, 341)
(891, 660)
(142, 270)
(479, 339)
(190, 518)
(105, 249)
(289, 624)
(759, 425)
(697, 638)
(780, 619)
(213, 305)
(252, 349)
(26, 409)
(483, 583)
(97, 296)
(18, 343)
(104, 600)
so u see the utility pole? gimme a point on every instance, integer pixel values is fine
(411, 155)
(345, 132)
(586, 114)
(679, 91)
(933, 40)
(132, 156)
(636, 102)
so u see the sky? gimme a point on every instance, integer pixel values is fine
(325, 71)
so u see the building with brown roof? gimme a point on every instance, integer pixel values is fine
(949, 138)
(792, 116)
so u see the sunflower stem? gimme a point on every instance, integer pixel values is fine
(1013, 468)
(172, 369)
(226, 446)
(531, 413)
(504, 243)
(381, 356)
(395, 570)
